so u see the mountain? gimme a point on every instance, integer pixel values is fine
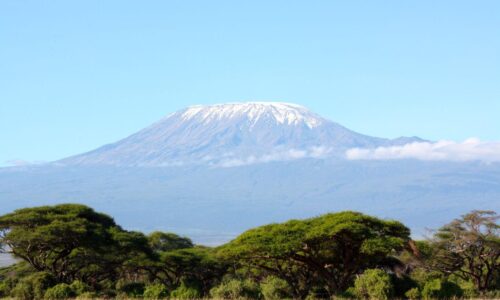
(211, 172)
(232, 134)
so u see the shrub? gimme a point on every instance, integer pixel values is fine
(107, 293)
(22, 291)
(78, 287)
(5, 288)
(422, 276)
(413, 294)
(130, 289)
(440, 289)
(373, 284)
(402, 284)
(185, 292)
(493, 294)
(274, 288)
(86, 296)
(235, 289)
(155, 291)
(33, 286)
(60, 291)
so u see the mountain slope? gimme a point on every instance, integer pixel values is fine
(213, 205)
(232, 134)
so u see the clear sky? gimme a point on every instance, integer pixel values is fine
(75, 75)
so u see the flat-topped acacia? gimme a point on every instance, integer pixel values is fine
(331, 249)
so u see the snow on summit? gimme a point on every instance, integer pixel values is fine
(282, 113)
(231, 134)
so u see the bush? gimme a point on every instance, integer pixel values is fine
(5, 288)
(78, 287)
(274, 288)
(402, 284)
(469, 289)
(33, 286)
(130, 289)
(440, 289)
(107, 293)
(60, 291)
(422, 276)
(86, 296)
(235, 289)
(155, 291)
(493, 294)
(23, 291)
(413, 294)
(373, 284)
(185, 292)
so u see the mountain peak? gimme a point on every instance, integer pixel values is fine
(279, 112)
(232, 134)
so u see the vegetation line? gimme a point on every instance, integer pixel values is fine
(71, 251)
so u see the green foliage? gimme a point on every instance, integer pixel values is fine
(422, 276)
(401, 284)
(195, 265)
(432, 289)
(130, 289)
(156, 291)
(60, 291)
(79, 287)
(440, 289)
(71, 242)
(236, 289)
(315, 258)
(305, 247)
(493, 294)
(4, 289)
(185, 292)
(87, 296)
(469, 289)
(23, 291)
(33, 286)
(274, 288)
(167, 241)
(413, 294)
(470, 248)
(373, 284)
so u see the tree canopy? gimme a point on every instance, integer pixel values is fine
(469, 247)
(70, 250)
(330, 249)
(70, 241)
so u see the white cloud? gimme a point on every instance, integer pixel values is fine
(313, 152)
(17, 163)
(469, 150)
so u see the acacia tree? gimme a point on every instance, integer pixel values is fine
(469, 247)
(330, 249)
(69, 241)
(197, 266)
(180, 261)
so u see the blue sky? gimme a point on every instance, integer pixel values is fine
(78, 74)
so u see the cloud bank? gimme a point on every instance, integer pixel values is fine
(17, 163)
(471, 149)
(313, 152)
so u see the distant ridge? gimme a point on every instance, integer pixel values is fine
(233, 134)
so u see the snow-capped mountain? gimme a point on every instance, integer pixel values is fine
(230, 135)
(188, 187)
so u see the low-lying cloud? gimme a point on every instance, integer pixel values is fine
(313, 152)
(17, 163)
(471, 149)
